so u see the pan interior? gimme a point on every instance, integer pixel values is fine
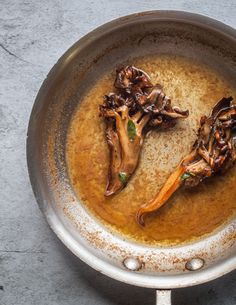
(189, 214)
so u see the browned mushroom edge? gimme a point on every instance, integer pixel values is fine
(136, 107)
(213, 152)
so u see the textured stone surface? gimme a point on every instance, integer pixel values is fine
(35, 268)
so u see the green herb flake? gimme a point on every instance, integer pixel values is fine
(123, 177)
(131, 129)
(186, 176)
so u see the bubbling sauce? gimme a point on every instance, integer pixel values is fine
(189, 213)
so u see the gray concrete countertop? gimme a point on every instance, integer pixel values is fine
(35, 268)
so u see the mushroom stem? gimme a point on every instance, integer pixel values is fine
(172, 184)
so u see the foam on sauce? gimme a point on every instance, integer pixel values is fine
(189, 214)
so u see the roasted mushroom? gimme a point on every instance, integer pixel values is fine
(136, 107)
(213, 152)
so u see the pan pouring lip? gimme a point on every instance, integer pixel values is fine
(155, 267)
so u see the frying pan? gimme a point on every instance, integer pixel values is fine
(155, 32)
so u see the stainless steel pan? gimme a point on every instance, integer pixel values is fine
(156, 32)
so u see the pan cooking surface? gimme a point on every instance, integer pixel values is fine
(189, 214)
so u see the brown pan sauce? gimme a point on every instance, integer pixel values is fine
(190, 213)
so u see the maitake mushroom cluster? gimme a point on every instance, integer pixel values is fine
(213, 152)
(136, 107)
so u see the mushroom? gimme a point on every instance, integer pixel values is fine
(136, 107)
(213, 152)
